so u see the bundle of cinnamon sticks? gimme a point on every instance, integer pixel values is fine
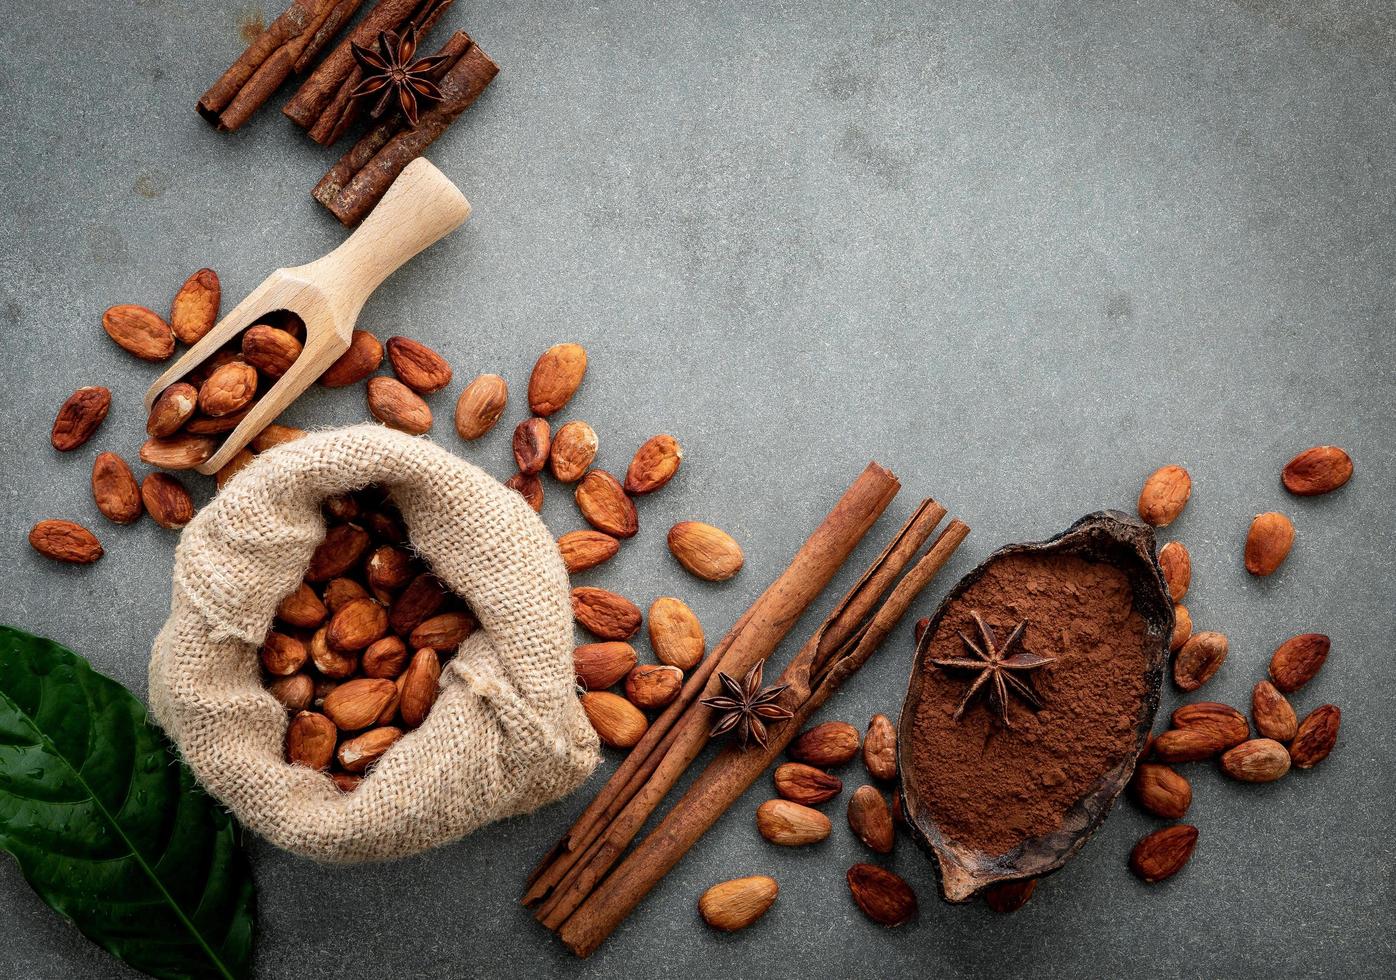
(286, 45)
(363, 175)
(325, 104)
(587, 885)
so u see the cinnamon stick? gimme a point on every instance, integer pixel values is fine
(325, 94)
(340, 15)
(813, 680)
(844, 622)
(288, 44)
(758, 632)
(363, 175)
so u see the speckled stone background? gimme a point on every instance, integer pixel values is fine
(1020, 253)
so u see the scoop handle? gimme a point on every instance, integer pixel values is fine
(420, 208)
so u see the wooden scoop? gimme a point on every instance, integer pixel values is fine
(421, 207)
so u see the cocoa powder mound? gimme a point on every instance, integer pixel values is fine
(991, 788)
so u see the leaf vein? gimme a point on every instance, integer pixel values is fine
(145, 868)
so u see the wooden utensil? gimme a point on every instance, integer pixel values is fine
(421, 207)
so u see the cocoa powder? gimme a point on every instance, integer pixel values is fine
(991, 788)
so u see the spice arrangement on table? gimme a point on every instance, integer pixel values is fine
(405, 602)
(374, 71)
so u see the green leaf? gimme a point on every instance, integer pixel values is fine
(108, 827)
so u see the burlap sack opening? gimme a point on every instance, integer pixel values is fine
(506, 735)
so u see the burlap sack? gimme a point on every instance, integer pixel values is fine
(506, 735)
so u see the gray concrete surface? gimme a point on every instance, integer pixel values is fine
(1020, 253)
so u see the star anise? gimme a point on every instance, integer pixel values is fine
(747, 706)
(392, 71)
(998, 669)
